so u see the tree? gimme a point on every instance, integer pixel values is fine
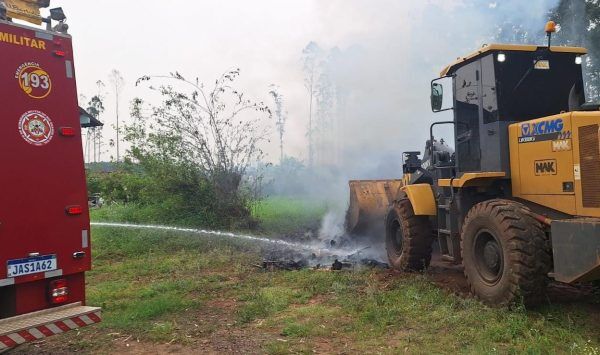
(311, 57)
(593, 61)
(95, 107)
(215, 131)
(280, 117)
(117, 82)
(579, 25)
(326, 128)
(513, 21)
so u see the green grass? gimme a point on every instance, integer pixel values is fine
(123, 213)
(146, 292)
(277, 215)
(144, 279)
(412, 313)
(160, 287)
(286, 215)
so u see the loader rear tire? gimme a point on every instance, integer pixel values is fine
(506, 253)
(408, 238)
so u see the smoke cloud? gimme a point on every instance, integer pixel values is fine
(372, 98)
(380, 78)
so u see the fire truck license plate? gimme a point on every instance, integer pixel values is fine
(33, 265)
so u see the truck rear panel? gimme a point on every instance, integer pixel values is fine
(44, 218)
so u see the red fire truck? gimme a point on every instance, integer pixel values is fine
(44, 219)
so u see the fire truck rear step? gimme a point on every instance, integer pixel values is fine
(39, 325)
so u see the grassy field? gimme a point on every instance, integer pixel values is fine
(283, 215)
(165, 292)
(277, 215)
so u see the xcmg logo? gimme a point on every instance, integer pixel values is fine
(544, 127)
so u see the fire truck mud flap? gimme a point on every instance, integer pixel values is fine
(576, 250)
(39, 325)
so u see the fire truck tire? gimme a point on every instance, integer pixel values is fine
(408, 238)
(506, 254)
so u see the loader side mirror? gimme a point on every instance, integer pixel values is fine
(440, 103)
(437, 97)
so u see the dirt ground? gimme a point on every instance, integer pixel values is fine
(212, 330)
(451, 278)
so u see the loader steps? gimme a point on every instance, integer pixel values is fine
(38, 325)
(447, 228)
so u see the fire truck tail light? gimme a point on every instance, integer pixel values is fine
(59, 53)
(74, 210)
(59, 292)
(67, 131)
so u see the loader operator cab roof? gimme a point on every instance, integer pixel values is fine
(487, 48)
(519, 82)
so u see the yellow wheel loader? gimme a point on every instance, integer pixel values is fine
(516, 200)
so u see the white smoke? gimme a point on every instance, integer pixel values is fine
(384, 70)
(332, 225)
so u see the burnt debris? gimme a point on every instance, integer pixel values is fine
(326, 260)
(342, 252)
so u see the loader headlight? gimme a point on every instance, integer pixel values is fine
(501, 57)
(578, 60)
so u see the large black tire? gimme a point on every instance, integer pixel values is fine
(408, 238)
(506, 253)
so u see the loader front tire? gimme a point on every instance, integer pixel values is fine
(408, 238)
(506, 253)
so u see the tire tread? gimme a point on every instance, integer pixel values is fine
(417, 237)
(530, 255)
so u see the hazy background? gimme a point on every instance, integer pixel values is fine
(391, 50)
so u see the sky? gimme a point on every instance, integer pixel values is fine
(408, 42)
(203, 39)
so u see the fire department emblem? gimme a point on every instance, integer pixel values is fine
(34, 80)
(36, 128)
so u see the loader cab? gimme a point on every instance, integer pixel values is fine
(500, 85)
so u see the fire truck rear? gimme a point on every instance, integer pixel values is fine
(44, 219)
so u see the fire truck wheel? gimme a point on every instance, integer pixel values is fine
(408, 238)
(506, 253)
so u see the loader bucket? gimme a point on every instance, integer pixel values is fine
(369, 201)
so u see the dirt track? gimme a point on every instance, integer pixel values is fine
(451, 277)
